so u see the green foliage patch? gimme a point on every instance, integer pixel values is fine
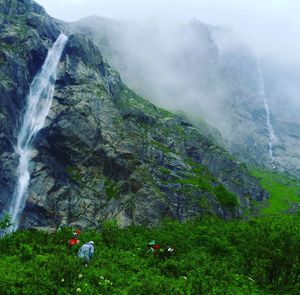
(212, 256)
(5, 222)
(284, 191)
(226, 198)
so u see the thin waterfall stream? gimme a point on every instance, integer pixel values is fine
(262, 95)
(38, 105)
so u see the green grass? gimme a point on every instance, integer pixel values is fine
(284, 190)
(212, 256)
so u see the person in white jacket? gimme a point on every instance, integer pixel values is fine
(86, 252)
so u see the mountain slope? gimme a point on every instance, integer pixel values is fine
(104, 152)
(206, 71)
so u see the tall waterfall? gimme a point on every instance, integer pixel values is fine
(262, 95)
(37, 108)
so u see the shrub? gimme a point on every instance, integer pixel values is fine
(110, 231)
(213, 256)
(226, 198)
(5, 222)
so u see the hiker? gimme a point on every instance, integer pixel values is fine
(169, 251)
(74, 241)
(153, 248)
(166, 252)
(86, 252)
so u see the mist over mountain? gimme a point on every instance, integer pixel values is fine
(208, 73)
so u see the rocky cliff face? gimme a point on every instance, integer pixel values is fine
(104, 152)
(246, 134)
(282, 84)
(239, 66)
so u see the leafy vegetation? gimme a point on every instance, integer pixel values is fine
(5, 222)
(226, 198)
(212, 256)
(284, 191)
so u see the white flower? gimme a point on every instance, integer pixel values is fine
(102, 277)
(62, 280)
(78, 290)
(80, 276)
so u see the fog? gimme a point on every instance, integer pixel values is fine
(201, 58)
(270, 26)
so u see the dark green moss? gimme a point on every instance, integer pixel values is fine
(226, 198)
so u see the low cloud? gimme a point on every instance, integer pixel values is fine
(270, 27)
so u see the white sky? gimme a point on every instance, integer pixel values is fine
(270, 26)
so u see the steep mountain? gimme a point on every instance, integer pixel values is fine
(282, 84)
(175, 66)
(104, 152)
(245, 74)
(206, 71)
(247, 134)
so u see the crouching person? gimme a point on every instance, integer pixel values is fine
(86, 252)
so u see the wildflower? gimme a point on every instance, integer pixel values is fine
(102, 277)
(62, 280)
(78, 290)
(80, 276)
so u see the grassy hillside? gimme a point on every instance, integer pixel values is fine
(284, 191)
(212, 256)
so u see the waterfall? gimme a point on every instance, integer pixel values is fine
(262, 95)
(37, 107)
